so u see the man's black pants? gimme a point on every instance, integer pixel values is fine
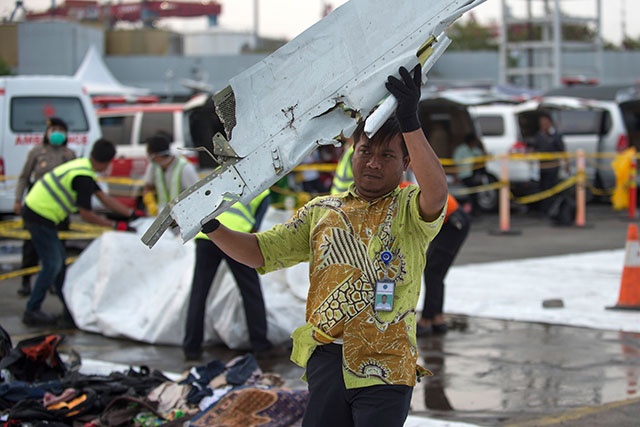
(331, 404)
(208, 259)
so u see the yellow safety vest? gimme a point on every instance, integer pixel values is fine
(240, 217)
(164, 194)
(344, 173)
(52, 196)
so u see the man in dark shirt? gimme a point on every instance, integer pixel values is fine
(65, 190)
(548, 140)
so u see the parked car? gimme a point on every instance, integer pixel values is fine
(500, 134)
(25, 104)
(630, 109)
(597, 127)
(446, 119)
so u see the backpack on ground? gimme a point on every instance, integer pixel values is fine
(36, 359)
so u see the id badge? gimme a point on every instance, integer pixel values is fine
(384, 295)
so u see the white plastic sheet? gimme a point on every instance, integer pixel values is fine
(120, 288)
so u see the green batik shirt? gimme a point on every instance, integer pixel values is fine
(342, 237)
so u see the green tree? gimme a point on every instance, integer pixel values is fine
(470, 35)
(572, 32)
(631, 44)
(5, 69)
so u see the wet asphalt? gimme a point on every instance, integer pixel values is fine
(486, 372)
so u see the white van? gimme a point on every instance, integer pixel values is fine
(25, 104)
(595, 126)
(446, 119)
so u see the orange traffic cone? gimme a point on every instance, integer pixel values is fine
(629, 298)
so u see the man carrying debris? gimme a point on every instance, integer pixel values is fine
(361, 363)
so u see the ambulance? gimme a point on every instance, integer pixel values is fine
(129, 126)
(25, 104)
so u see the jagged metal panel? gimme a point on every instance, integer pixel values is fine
(346, 56)
(298, 97)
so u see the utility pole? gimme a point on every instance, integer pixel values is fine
(536, 60)
(256, 23)
(623, 21)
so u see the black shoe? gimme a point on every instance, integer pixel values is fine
(423, 331)
(192, 356)
(38, 318)
(65, 321)
(25, 290)
(439, 328)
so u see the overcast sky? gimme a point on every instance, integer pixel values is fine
(287, 18)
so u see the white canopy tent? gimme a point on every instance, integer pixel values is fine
(98, 80)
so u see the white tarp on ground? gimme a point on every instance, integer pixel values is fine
(514, 290)
(118, 287)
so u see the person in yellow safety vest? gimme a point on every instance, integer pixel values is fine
(167, 174)
(208, 258)
(344, 173)
(65, 190)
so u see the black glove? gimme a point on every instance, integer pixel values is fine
(210, 226)
(407, 92)
(137, 213)
(123, 226)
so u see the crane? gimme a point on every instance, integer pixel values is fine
(146, 11)
(19, 5)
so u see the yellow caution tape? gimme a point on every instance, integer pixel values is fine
(77, 231)
(31, 270)
(121, 180)
(479, 188)
(558, 188)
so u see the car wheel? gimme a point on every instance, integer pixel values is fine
(488, 200)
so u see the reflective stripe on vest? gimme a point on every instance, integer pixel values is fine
(164, 194)
(52, 196)
(240, 217)
(344, 173)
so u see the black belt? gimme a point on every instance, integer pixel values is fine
(331, 348)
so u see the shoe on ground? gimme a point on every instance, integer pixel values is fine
(423, 331)
(25, 290)
(65, 321)
(38, 318)
(439, 328)
(272, 353)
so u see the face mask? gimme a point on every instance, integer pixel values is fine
(57, 138)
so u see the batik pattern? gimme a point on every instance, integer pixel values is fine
(343, 237)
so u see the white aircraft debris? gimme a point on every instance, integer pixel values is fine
(308, 93)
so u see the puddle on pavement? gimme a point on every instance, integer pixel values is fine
(497, 367)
